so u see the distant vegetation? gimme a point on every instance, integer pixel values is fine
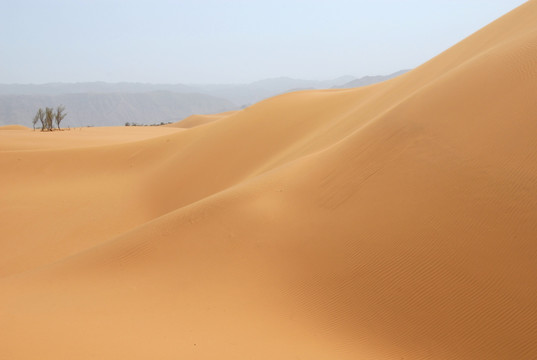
(48, 117)
(136, 124)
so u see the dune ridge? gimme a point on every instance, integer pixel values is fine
(197, 120)
(392, 221)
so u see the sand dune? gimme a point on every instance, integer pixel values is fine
(197, 120)
(13, 127)
(395, 221)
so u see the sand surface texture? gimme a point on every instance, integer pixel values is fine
(395, 221)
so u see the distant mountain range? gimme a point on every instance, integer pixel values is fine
(109, 109)
(108, 104)
(370, 80)
(247, 94)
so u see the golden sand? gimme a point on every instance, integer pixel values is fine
(395, 221)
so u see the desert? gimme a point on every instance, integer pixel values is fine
(391, 221)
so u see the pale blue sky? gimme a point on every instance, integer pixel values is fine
(217, 41)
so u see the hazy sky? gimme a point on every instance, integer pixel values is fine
(216, 41)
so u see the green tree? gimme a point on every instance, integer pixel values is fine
(39, 116)
(49, 118)
(60, 115)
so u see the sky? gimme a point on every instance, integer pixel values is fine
(233, 41)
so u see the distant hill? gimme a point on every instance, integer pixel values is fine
(370, 80)
(90, 87)
(108, 109)
(286, 83)
(247, 94)
(107, 104)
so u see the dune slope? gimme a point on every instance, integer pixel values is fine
(393, 221)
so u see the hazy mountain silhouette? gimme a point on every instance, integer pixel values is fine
(108, 104)
(370, 80)
(247, 94)
(90, 87)
(107, 109)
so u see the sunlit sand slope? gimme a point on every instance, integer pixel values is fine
(197, 120)
(13, 127)
(395, 221)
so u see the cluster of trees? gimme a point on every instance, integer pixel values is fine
(48, 117)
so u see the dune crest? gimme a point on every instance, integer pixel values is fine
(197, 120)
(13, 127)
(392, 221)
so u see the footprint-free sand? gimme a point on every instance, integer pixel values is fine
(394, 221)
